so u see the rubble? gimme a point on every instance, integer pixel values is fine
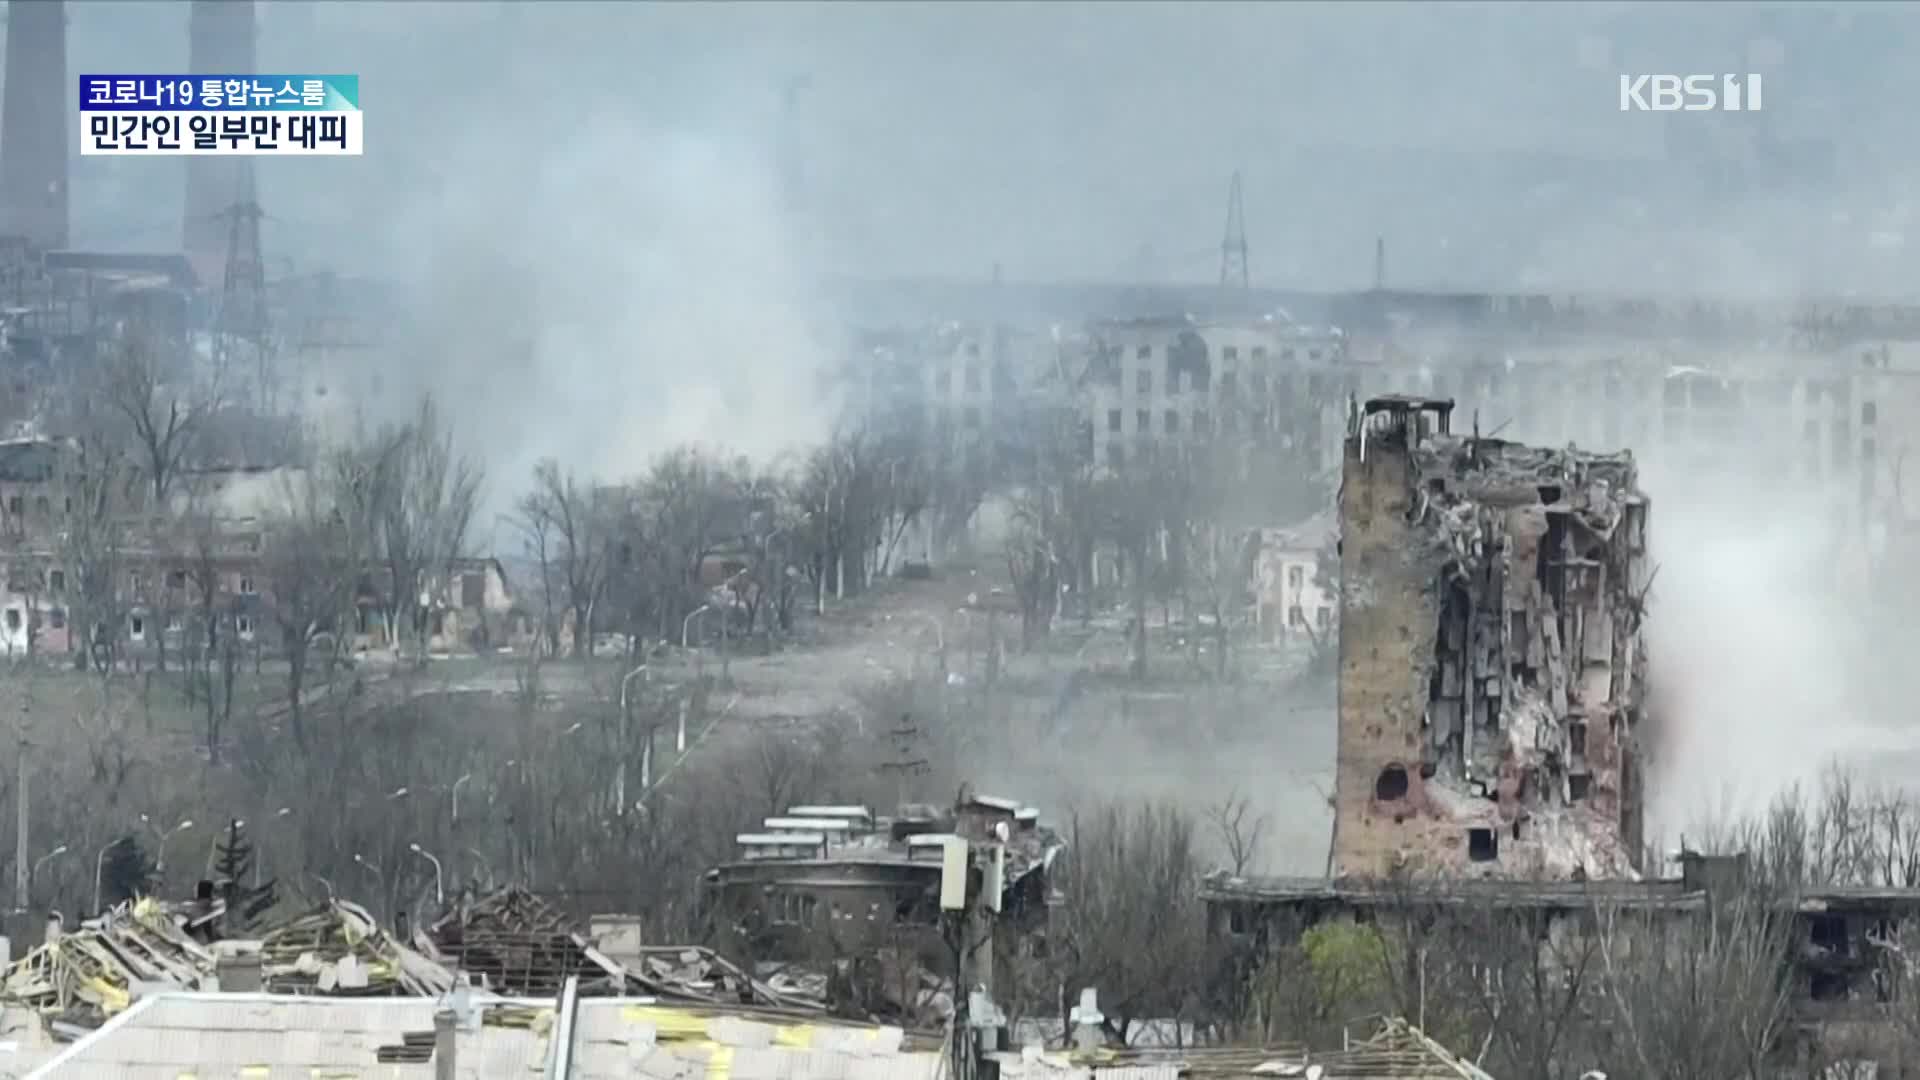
(515, 943)
(89, 974)
(1492, 670)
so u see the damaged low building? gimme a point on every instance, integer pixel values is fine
(839, 889)
(1491, 666)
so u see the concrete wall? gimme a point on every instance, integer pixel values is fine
(1386, 647)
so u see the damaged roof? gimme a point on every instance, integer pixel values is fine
(95, 972)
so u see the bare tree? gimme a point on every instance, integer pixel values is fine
(164, 412)
(572, 521)
(1238, 836)
(424, 518)
(317, 556)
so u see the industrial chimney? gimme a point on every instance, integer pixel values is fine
(221, 42)
(33, 125)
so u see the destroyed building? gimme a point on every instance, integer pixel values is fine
(840, 878)
(1491, 666)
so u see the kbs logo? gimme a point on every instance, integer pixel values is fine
(1689, 93)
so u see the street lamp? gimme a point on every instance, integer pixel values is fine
(686, 624)
(439, 879)
(361, 859)
(160, 853)
(464, 777)
(626, 737)
(99, 869)
(42, 861)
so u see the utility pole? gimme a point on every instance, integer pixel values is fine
(1233, 246)
(22, 865)
(1379, 263)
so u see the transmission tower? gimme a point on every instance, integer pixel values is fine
(1233, 246)
(242, 325)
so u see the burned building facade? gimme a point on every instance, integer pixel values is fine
(1491, 666)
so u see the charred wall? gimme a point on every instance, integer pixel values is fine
(1491, 667)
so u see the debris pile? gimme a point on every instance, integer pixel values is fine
(699, 975)
(338, 948)
(515, 943)
(138, 947)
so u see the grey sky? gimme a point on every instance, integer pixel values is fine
(1095, 141)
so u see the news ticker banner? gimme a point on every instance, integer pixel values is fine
(300, 115)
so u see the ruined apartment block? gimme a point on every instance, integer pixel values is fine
(1491, 664)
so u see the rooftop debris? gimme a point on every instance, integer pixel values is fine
(516, 943)
(94, 972)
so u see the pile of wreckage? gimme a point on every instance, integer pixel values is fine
(1396, 1051)
(509, 942)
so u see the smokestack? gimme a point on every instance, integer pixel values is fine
(33, 125)
(221, 42)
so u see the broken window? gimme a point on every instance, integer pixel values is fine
(13, 619)
(136, 627)
(57, 580)
(1391, 785)
(473, 590)
(1236, 920)
(244, 624)
(175, 623)
(1296, 578)
(1324, 617)
(1578, 787)
(1142, 421)
(1113, 419)
(246, 586)
(1577, 739)
(13, 505)
(1296, 617)
(1869, 413)
(177, 579)
(1143, 382)
(1145, 352)
(41, 507)
(1229, 352)
(1483, 845)
(57, 618)
(1260, 354)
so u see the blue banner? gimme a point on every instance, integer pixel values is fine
(220, 93)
